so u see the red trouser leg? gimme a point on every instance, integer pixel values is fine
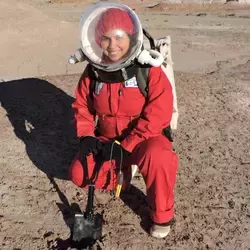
(158, 165)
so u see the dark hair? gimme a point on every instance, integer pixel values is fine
(132, 39)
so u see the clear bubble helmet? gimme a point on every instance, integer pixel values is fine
(111, 36)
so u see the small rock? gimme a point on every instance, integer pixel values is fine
(197, 180)
(47, 234)
(231, 204)
(243, 207)
(201, 14)
(186, 237)
(219, 243)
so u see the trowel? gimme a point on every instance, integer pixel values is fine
(87, 226)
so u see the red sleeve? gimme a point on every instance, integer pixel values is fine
(84, 113)
(157, 114)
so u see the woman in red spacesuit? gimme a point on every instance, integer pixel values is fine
(125, 115)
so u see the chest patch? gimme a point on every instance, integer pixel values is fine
(131, 83)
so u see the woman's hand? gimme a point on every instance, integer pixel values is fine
(90, 144)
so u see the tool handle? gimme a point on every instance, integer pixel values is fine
(90, 202)
(119, 185)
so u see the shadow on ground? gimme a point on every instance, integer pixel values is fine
(41, 116)
(136, 200)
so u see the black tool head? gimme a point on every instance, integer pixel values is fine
(86, 230)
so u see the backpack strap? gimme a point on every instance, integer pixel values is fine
(92, 88)
(93, 81)
(142, 79)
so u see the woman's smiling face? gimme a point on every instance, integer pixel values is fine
(115, 44)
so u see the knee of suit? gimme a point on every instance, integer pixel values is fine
(76, 172)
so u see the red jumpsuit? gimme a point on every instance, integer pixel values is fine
(125, 114)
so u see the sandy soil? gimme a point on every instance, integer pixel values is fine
(213, 139)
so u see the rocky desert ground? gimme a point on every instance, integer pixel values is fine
(211, 53)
